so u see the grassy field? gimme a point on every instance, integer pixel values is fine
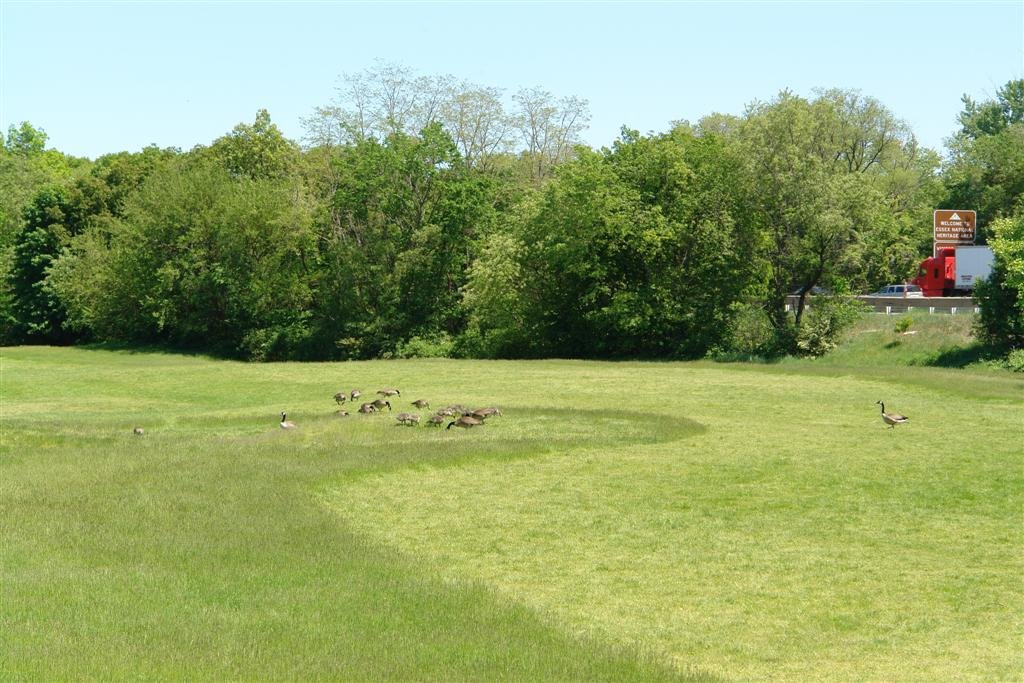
(620, 521)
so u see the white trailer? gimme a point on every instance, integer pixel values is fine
(972, 264)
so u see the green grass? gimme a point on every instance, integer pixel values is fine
(931, 340)
(620, 521)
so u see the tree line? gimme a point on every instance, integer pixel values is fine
(429, 217)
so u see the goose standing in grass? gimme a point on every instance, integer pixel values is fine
(355, 394)
(389, 392)
(380, 403)
(408, 419)
(286, 423)
(436, 420)
(367, 408)
(340, 397)
(465, 422)
(138, 431)
(484, 413)
(421, 404)
(892, 419)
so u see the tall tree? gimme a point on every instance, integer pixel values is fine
(986, 167)
(823, 172)
(638, 251)
(405, 218)
(258, 151)
(549, 128)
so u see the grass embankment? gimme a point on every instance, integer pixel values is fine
(620, 521)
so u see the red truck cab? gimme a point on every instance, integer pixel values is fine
(937, 275)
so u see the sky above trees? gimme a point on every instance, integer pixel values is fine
(107, 77)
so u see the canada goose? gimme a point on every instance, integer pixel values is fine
(446, 412)
(421, 404)
(436, 420)
(355, 394)
(380, 403)
(367, 408)
(465, 422)
(892, 419)
(138, 431)
(285, 423)
(408, 419)
(484, 413)
(340, 397)
(342, 413)
(389, 392)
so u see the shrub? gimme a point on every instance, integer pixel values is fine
(432, 346)
(827, 320)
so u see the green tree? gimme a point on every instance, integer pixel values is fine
(37, 313)
(986, 167)
(835, 182)
(639, 250)
(400, 235)
(1002, 296)
(200, 259)
(259, 151)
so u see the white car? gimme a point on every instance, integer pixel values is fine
(900, 290)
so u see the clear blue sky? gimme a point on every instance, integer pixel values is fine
(102, 77)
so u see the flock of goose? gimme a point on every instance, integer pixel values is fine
(457, 414)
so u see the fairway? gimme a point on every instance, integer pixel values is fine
(618, 521)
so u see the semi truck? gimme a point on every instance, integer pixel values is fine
(953, 271)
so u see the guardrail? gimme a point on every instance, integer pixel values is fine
(902, 304)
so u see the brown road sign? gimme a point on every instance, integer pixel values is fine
(954, 227)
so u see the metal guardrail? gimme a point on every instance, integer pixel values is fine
(900, 304)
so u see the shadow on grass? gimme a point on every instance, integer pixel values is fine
(962, 356)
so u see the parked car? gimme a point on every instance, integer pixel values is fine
(899, 290)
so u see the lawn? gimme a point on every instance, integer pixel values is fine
(619, 521)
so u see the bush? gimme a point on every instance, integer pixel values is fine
(903, 324)
(1001, 322)
(827, 320)
(439, 345)
(750, 333)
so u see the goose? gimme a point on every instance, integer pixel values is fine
(465, 422)
(367, 408)
(408, 419)
(446, 412)
(892, 419)
(355, 394)
(138, 431)
(389, 392)
(421, 404)
(436, 420)
(285, 423)
(340, 397)
(342, 413)
(484, 413)
(380, 403)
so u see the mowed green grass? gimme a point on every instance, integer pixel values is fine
(620, 521)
